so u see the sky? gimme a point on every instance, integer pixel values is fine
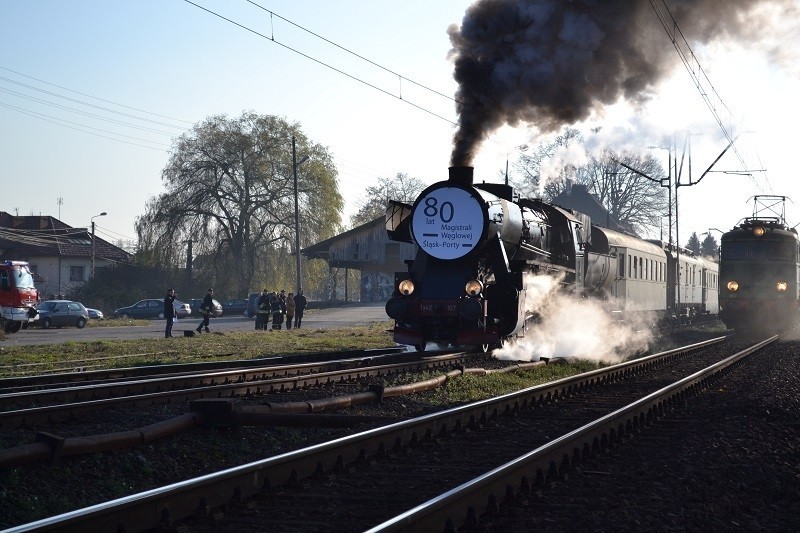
(92, 94)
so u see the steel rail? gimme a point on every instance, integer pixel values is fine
(42, 381)
(165, 505)
(487, 491)
(147, 392)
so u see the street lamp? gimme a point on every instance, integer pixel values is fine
(92, 220)
(295, 164)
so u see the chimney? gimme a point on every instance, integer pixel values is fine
(461, 175)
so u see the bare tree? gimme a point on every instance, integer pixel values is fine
(529, 167)
(230, 191)
(636, 199)
(376, 197)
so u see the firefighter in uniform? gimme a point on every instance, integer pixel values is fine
(262, 313)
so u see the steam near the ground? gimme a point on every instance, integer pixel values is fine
(574, 327)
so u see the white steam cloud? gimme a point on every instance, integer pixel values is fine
(574, 327)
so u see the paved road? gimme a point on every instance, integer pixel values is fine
(335, 317)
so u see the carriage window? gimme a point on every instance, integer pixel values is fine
(780, 251)
(736, 251)
(622, 265)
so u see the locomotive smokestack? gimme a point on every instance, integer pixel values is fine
(461, 175)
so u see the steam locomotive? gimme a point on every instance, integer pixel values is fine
(479, 245)
(760, 272)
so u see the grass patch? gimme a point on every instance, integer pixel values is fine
(470, 387)
(102, 354)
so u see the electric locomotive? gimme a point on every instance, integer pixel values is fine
(760, 274)
(466, 285)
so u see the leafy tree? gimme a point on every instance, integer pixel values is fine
(373, 204)
(694, 243)
(230, 190)
(709, 247)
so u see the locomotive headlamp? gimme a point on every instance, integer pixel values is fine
(758, 231)
(405, 287)
(473, 287)
(781, 286)
(733, 286)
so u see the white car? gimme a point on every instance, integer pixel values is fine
(95, 313)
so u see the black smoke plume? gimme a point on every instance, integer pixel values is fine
(550, 63)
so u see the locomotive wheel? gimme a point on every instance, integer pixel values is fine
(420, 347)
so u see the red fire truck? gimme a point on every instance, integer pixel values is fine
(18, 296)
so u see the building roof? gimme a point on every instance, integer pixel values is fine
(321, 250)
(24, 237)
(578, 197)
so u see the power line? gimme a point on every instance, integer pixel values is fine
(113, 234)
(695, 70)
(343, 73)
(94, 97)
(64, 123)
(400, 76)
(84, 113)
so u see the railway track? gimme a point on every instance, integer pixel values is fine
(25, 405)
(428, 456)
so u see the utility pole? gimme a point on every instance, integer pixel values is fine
(189, 265)
(92, 221)
(295, 164)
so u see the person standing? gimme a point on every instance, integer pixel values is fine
(205, 309)
(169, 312)
(300, 303)
(290, 307)
(262, 314)
(277, 308)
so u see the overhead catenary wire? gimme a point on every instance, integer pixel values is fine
(693, 67)
(320, 62)
(390, 71)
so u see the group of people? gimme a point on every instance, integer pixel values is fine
(276, 306)
(270, 304)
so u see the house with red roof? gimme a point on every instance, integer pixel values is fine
(60, 256)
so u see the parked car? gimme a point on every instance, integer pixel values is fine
(60, 313)
(196, 303)
(235, 307)
(252, 305)
(95, 313)
(152, 308)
